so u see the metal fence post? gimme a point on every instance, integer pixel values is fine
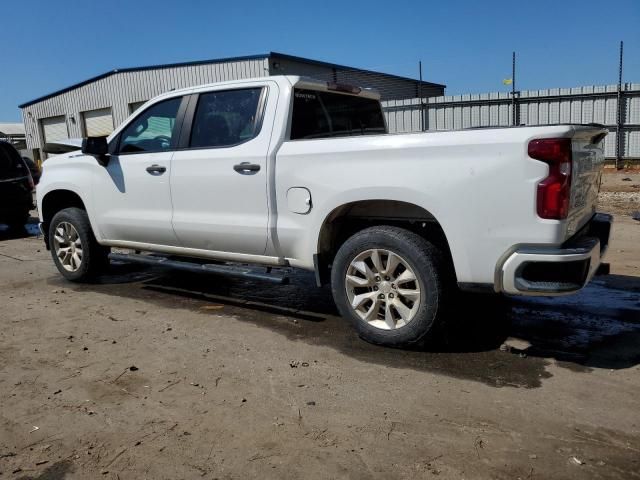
(619, 113)
(422, 119)
(513, 89)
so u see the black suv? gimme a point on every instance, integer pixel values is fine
(16, 187)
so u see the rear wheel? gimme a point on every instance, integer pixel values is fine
(390, 284)
(74, 248)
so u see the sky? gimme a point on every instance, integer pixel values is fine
(464, 44)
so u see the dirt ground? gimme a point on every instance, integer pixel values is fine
(620, 192)
(153, 374)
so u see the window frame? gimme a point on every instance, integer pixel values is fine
(114, 144)
(189, 117)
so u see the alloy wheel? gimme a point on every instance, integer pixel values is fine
(67, 245)
(383, 289)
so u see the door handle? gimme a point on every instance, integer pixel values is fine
(246, 168)
(156, 169)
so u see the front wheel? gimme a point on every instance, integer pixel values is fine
(390, 284)
(74, 248)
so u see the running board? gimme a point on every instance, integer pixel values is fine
(227, 270)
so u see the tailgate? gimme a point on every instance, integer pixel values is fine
(587, 145)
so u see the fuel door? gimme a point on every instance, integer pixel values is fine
(299, 200)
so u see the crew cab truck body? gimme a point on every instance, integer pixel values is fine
(289, 171)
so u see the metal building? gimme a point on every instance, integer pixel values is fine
(97, 105)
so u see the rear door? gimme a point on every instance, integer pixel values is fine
(219, 176)
(132, 193)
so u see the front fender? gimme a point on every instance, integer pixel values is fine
(71, 174)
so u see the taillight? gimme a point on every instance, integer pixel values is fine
(554, 192)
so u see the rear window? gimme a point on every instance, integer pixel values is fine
(324, 114)
(11, 164)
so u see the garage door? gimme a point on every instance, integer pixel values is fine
(54, 128)
(98, 123)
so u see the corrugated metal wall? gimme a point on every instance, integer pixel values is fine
(588, 104)
(120, 89)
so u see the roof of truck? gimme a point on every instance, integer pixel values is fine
(293, 80)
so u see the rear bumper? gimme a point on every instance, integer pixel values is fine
(539, 270)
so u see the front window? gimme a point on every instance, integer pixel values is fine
(319, 114)
(153, 130)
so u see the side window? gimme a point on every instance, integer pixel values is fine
(153, 130)
(226, 118)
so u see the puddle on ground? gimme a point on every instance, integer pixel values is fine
(597, 328)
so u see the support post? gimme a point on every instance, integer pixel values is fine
(422, 122)
(513, 89)
(619, 114)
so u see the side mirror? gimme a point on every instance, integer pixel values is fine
(97, 147)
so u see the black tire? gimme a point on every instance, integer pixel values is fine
(426, 261)
(95, 258)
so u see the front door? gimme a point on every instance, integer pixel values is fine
(132, 194)
(219, 178)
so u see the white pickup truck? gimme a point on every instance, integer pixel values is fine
(289, 171)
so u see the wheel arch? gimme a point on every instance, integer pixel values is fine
(54, 201)
(349, 218)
